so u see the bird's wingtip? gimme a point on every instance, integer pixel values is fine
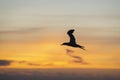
(72, 30)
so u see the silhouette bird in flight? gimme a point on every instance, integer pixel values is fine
(72, 42)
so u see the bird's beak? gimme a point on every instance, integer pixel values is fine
(62, 44)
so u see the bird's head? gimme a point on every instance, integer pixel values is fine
(70, 31)
(64, 44)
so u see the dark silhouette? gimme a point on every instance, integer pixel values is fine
(72, 42)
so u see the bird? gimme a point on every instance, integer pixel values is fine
(72, 41)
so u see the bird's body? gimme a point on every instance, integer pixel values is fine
(72, 42)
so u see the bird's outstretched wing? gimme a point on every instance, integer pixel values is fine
(72, 38)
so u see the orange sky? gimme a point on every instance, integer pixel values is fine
(45, 51)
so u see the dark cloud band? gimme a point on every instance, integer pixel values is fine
(5, 62)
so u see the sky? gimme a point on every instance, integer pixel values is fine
(32, 31)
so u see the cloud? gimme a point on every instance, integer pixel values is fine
(9, 62)
(21, 31)
(28, 63)
(78, 59)
(21, 35)
(5, 62)
(34, 64)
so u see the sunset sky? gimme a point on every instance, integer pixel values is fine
(32, 31)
